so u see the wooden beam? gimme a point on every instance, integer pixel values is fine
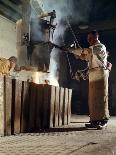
(12, 6)
(2, 107)
(26, 13)
(8, 13)
(99, 25)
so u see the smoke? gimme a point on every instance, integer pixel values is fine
(67, 11)
(53, 68)
(76, 10)
(36, 25)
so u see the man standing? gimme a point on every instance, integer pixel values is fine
(98, 83)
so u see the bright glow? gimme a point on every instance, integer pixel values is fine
(43, 78)
(36, 77)
(53, 81)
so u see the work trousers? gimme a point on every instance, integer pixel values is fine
(98, 94)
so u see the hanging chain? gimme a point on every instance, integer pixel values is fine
(80, 73)
(70, 68)
(69, 25)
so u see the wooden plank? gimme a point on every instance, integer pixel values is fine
(102, 25)
(32, 107)
(56, 106)
(61, 106)
(25, 30)
(52, 102)
(46, 107)
(39, 106)
(26, 10)
(58, 101)
(8, 103)
(17, 110)
(2, 106)
(25, 106)
(13, 106)
(65, 105)
(69, 106)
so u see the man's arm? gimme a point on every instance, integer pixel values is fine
(83, 54)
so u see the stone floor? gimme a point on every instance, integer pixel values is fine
(69, 140)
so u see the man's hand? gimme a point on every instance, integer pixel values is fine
(86, 53)
(83, 56)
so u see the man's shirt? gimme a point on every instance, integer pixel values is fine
(99, 55)
(4, 66)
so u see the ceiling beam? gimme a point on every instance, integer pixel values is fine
(8, 13)
(99, 25)
(12, 6)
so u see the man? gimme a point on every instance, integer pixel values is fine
(98, 83)
(6, 65)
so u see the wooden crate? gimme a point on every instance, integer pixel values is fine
(30, 107)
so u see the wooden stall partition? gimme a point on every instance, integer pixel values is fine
(30, 107)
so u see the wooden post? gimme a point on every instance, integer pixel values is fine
(23, 54)
(69, 105)
(8, 104)
(56, 106)
(25, 106)
(17, 107)
(46, 106)
(32, 107)
(39, 106)
(52, 102)
(61, 106)
(2, 114)
(65, 105)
